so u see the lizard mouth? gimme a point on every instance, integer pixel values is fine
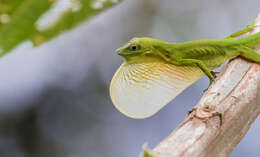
(125, 53)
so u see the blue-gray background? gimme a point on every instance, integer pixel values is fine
(54, 99)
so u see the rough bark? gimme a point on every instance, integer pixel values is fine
(205, 133)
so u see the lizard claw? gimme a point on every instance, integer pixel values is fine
(214, 73)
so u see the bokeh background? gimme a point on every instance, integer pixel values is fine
(54, 99)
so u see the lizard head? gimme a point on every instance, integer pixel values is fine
(137, 47)
(144, 83)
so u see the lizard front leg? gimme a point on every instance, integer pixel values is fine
(199, 63)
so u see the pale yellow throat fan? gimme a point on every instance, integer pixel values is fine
(139, 89)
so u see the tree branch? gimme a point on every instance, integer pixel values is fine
(235, 95)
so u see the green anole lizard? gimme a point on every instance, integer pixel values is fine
(155, 71)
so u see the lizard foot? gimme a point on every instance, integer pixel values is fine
(214, 73)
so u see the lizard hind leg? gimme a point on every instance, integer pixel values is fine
(249, 28)
(250, 54)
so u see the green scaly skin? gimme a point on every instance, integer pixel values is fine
(206, 54)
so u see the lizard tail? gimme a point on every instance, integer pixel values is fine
(250, 41)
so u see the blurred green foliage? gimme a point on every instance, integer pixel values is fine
(18, 19)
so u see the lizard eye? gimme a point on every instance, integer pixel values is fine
(134, 47)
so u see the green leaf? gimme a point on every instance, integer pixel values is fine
(146, 151)
(19, 19)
